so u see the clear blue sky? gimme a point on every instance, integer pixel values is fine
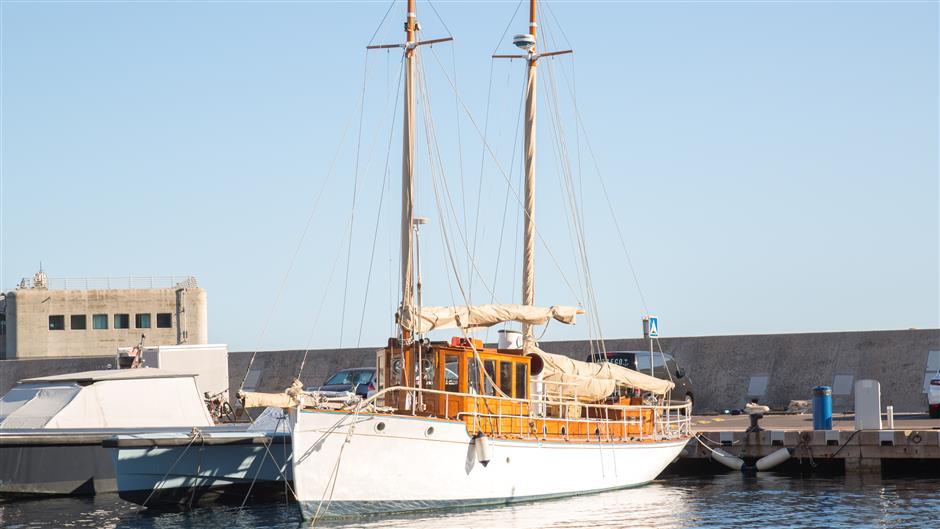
(774, 165)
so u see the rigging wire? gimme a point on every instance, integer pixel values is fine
(300, 242)
(355, 193)
(570, 85)
(378, 215)
(431, 139)
(561, 152)
(476, 220)
(502, 224)
(505, 176)
(446, 193)
(382, 22)
(316, 318)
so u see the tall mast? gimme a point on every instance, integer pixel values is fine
(407, 171)
(528, 234)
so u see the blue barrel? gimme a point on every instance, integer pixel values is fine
(822, 408)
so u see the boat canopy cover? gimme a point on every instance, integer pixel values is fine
(590, 381)
(108, 374)
(131, 398)
(475, 316)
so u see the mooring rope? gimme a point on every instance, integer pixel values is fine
(196, 434)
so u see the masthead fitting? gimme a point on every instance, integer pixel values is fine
(524, 41)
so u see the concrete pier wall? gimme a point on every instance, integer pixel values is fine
(723, 367)
(725, 370)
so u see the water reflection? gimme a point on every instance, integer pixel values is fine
(727, 500)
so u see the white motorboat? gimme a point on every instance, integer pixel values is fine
(51, 428)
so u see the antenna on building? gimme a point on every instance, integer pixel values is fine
(39, 279)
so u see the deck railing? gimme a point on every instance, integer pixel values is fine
(545, 417)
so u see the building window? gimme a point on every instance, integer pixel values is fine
(57, 323)
(122, 321)
(164, 320)
(78, 322)
(142, 321)
(99, 321)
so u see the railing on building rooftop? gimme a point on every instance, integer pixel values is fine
(93, 283)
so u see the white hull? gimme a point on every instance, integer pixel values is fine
(414, 463)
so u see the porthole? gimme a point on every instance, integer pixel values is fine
(429, 432)
(564, 431)
(380, 427)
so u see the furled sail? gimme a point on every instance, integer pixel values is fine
(468, 317)
(289, 398)
(589, 381)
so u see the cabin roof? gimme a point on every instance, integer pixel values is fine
(108, 374)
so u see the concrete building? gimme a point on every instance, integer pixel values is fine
(46, 317)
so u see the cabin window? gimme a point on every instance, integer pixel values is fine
(428, 368)
(99, 321)
(164, 320)
(473, 376)
(505, 377)
(451, 373)
(522, 381)
(490, 367)
(397, 368)
(79, 322)
(57, 323)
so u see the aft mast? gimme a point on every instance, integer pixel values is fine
(407, 171)
(528, 232)
(526, 42)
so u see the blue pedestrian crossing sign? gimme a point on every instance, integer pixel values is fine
(654, 326)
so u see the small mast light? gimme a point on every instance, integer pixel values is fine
(524, 41)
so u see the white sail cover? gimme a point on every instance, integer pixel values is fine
(589, 381)
(473, 316)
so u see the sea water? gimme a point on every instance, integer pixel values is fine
(726, 500)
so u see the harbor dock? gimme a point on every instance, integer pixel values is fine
(912, 447)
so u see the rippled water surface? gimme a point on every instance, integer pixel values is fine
(729, 500)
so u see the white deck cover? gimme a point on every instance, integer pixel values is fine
(105, 399)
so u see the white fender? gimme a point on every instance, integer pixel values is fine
(481, 445)
(726, 459)
(771, 460)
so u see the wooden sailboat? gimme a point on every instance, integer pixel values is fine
(455, 423)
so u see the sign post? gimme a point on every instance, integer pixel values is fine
(651, 330)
